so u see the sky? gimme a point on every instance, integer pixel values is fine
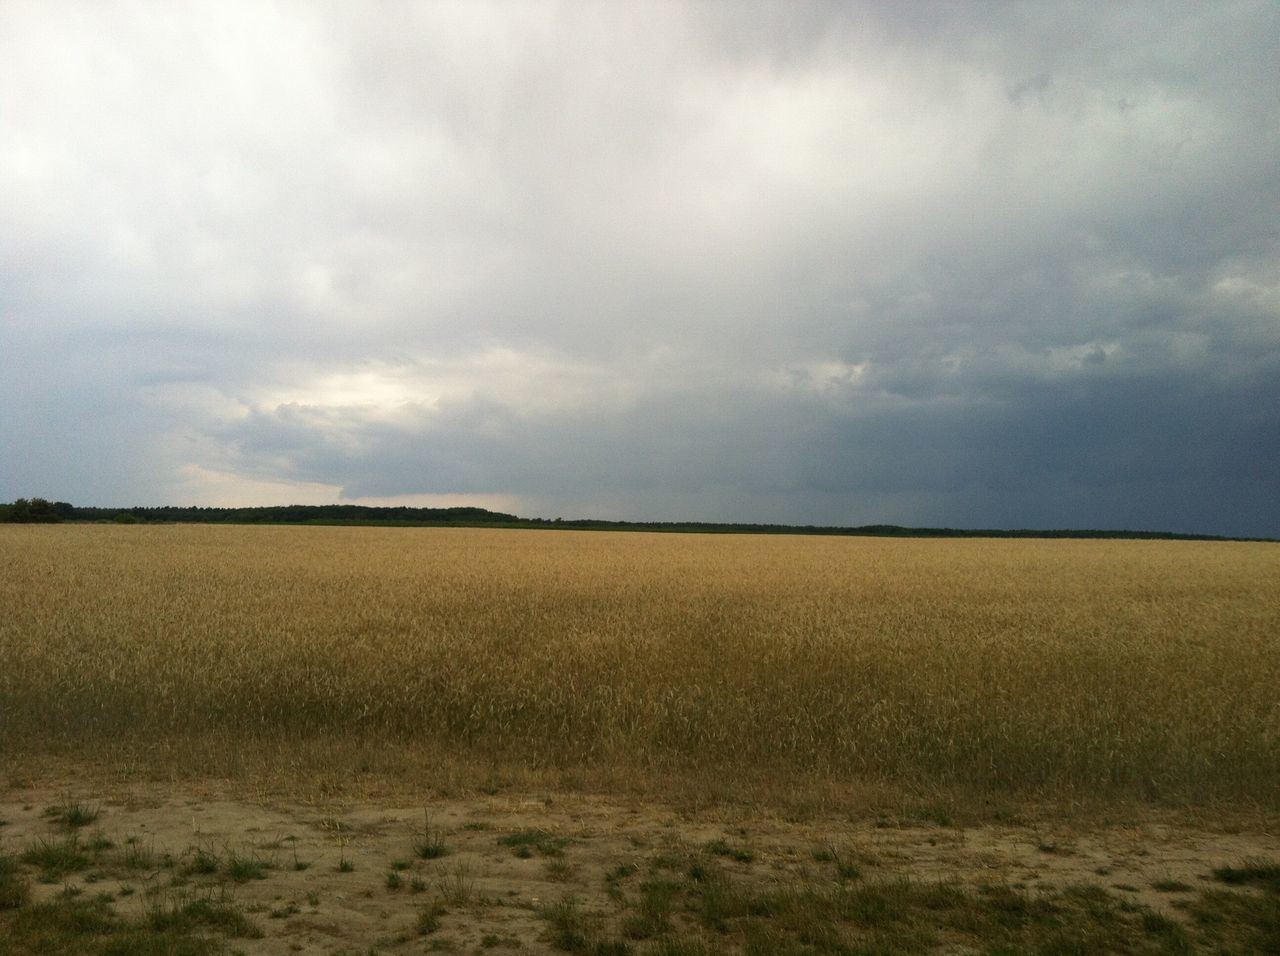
(966, 264)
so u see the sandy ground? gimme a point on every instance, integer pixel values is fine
(494, 893)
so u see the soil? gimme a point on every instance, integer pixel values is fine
(495, 893)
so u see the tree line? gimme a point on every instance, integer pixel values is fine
(36, 511)
(39, 510)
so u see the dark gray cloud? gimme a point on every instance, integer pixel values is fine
(969, 264)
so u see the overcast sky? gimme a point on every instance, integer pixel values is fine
(984, 264)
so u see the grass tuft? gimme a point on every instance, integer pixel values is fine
(73, 813)
(1253, 872)
(243, 867)
(429, 916)
(187, 914)
(57, 858)
(721, 848)
(525, 842)
(15, 888)
(429, 843)
(92, 927)
(457, 886)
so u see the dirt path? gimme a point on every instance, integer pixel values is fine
(345, 878)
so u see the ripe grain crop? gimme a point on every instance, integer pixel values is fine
(1140, 668)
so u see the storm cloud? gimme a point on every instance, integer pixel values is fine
(976, 264)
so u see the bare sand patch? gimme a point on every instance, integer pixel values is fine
(345, 876)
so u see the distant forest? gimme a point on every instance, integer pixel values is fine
(38, 510)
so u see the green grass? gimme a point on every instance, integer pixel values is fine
(134, 856)
(90, 927)
(428, 920)
(566, 927)
(525, 842)
(721, 848)
(73, 813)
(15, 888)
(653, 910)
(97, 843)
(57, 858)
(688, 902)
(429, 843)
(559, 871)
(1240, 922)
(710, 912)
(187, 914)
(846, 868)
(457, 886)
(204, 862)
(1253, 872)
(681, 946)
(242, 867)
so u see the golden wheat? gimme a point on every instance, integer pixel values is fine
(1145, 668)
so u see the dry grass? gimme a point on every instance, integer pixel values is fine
(1143, 669)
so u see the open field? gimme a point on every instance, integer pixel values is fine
(634, 742)
(1138, 669)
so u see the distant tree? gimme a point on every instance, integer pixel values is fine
(31, 511)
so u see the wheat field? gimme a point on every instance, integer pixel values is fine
(1137, 668)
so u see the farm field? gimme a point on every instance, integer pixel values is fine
(709, 743)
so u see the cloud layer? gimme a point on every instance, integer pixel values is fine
(974, 265)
